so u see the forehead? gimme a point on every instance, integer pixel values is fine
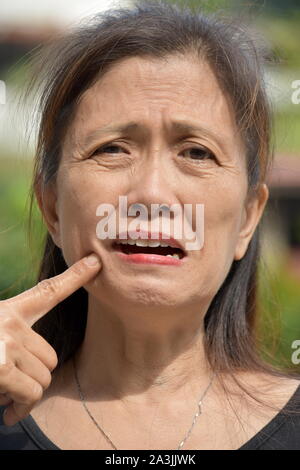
(153, 92)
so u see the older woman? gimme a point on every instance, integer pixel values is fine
(163, 106)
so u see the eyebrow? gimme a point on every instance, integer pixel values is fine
(118, 129)
(180, 127)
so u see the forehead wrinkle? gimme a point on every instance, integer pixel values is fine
(129, 127)
(159, 87)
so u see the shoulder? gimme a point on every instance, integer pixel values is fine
(292, 390)
(260, 388)
(285, 388)
(267, 382)
(281, 393)
(285, 433)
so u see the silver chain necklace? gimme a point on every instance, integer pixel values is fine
(198, 413)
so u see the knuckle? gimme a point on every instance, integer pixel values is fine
(77, 269)
(11, 323)
(47, 379)
(11, 343)
(34, 395)
(5, 370)
(53, 359)
(50, 353)
(49, 287)
(24, 398)
(37, 392)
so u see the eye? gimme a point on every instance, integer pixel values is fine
(200, 153)
(197, 153)
(105, 149)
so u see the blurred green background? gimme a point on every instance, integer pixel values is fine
(279, 22)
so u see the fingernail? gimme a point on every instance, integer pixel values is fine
(92, 260)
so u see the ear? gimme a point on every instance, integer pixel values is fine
(252, 213)
(46, 196)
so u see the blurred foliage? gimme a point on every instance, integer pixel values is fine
(206, 5)
(19, 255)
(283, 32)
(287, 130)
(17, 74)
(278, 318)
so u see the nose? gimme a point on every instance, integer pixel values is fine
(152, 183)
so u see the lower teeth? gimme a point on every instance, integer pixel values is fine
(174, 256)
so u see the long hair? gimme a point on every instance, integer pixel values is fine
(68, 65)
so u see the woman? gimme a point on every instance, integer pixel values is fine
(163, 106)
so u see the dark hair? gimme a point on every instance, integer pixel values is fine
(70, 64)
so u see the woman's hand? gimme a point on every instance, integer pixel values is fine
(26, 359)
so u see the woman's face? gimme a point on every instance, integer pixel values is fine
(154, 163)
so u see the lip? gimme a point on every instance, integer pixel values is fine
(144, 235)
(143, 258)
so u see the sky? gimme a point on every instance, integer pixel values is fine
(52, 11)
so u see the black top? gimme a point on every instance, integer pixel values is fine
(281, 433)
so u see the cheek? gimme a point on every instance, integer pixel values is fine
(222, 220)
(76, 210)
(223, 214)
(81, 191)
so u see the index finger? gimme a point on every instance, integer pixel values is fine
(34, 303)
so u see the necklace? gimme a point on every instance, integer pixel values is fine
(198, 413)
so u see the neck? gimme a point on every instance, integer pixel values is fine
(141, 359)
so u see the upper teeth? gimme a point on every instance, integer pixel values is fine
(150, 243)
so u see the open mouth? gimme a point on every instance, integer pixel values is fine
(160, 250)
